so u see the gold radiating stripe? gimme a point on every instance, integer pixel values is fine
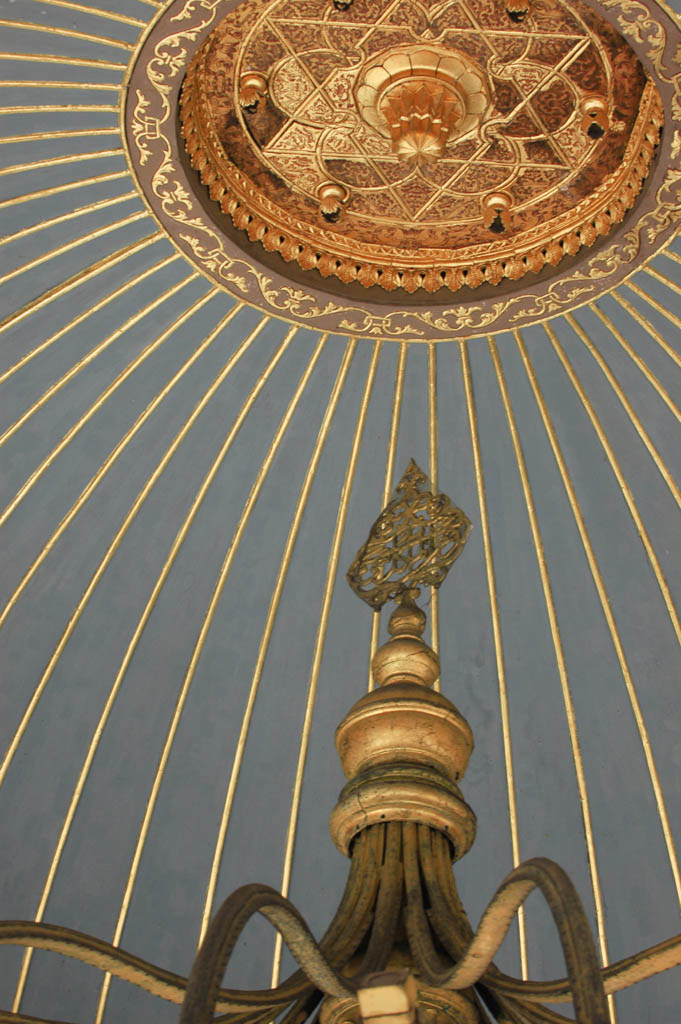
(73, 282)
(90, 237)
(55, 161)
(617, 470)
(654, 304)
(267, 634)
(203, 633)
(48, 136)
(666, 281)
(498, 643)
(97, 12)
(671, 255)
(608, 614)
(55, 58)
(560, 662)
(64, 217)
(57, 108)
(96, 406)
(636, 358)
(125, 287)
(27, 83)
(68, 187)
(69, 33)
(626, 404)
(433, 465)
(113, 693)
(320, 640)
(389, 473)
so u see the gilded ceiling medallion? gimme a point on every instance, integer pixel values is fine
(420, 146)
(357, 161)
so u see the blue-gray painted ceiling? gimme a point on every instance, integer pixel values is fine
(152, 465)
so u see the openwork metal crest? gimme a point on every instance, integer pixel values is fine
(413, 543)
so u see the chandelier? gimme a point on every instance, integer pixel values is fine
(400, 948)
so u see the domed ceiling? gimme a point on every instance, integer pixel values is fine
(198, 429)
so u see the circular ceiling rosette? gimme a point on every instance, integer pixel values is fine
(188, 469)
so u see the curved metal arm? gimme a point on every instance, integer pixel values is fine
(211, 961)
(584, 972)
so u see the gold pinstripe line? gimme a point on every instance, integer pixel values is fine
(68, 437)
(48, 136)
(267, 634)
(320, 640)
(73, 282)
(69, 33)
(57, 108)
(560, 664)
(97, 735)
(99, 572)
(654, 304)
(624, 401)
(83, 240)
(55, 58)
(97, 12)
(498, 642)
(608, 614)
(91, 355)
(433, 467)
(68, 187)
(389, 473)
(72, 158)
(671, 255)
(90, 311)
(663, 279)
(28, 83)
(624, 486)
(201, 639)
(652, 380)
(103, 204)
(120, 534)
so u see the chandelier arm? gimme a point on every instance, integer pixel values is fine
(346, 930)
(300, 1011)
(172, 987)
(616, 976)
(388, 904)
(363, 854)
(453, 931)
(429, 962)
(366, 901)
(508, 1011)
(96, 953)
(579, 950)
(211, 961)
(303, 1008)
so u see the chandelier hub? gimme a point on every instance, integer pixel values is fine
(421, 98)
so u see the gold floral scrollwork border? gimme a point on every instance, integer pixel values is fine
(150, 114)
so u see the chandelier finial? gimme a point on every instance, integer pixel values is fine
(413, 543)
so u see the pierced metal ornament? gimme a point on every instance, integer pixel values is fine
(413, 543)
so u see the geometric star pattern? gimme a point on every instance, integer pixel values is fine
(531, 141)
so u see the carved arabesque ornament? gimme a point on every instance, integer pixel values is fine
(413, 543)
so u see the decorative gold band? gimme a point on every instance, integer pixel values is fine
(403, 792)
